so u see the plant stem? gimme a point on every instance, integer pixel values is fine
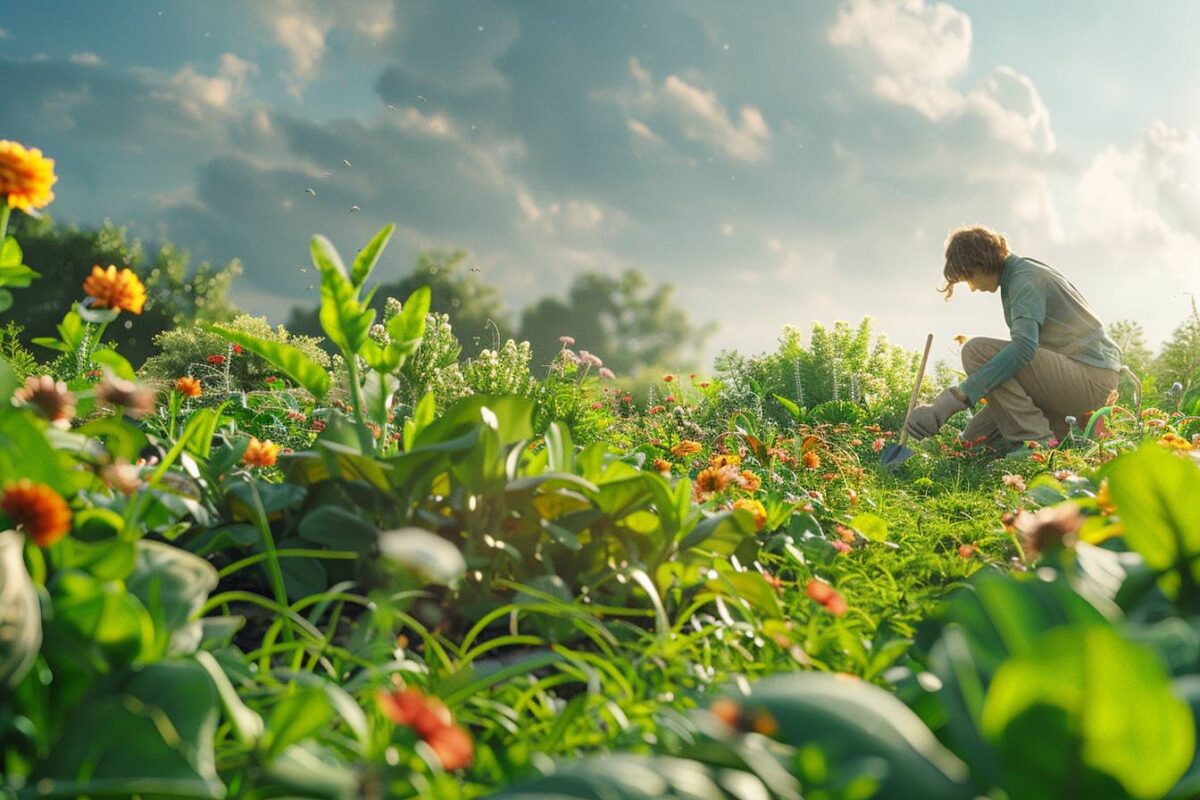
(356, 399)
(5, 213)
(274, 571)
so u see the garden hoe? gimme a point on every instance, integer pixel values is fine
(896, 454)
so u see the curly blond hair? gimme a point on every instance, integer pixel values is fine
(972, 250)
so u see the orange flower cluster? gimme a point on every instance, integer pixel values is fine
(713, 480)
(662, 465)
(1173, 441)
(686, 448)
(431, 720)
(749, 481)
(827, 596)
(113, 288)
(37, 510)
(25, 176)
(260, 454)
(812, 460)
(188, 386)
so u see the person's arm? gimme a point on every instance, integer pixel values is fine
(1002, 366)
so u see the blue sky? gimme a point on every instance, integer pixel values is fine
(780, 162)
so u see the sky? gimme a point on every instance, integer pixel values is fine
(778, 162)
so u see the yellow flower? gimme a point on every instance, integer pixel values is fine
(1175, 442)
(110, 288)
(754, 508)
(724, 460)
(260, 454)
(712, 480)
(188, 387)
(25, 176)
(37, 510)
(686, 448)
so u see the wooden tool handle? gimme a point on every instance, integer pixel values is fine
(912, 401)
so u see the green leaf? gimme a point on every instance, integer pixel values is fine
(1087, 708)
(407, 328)
(296, 717)
(560, 448)
(117, 363)
(789, 406)
(343, 318)
(1153, 490)
(366, 259)
(871, 526)
(150, 734)
(422, 416)
(285, 357)
(325, 256)
(10, 253)
(850, 718)
(339, 529)
(173, 585)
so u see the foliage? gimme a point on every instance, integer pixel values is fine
(631, 321)
(1179, 360)
(22, 362)
(190, 350)
(177, 294)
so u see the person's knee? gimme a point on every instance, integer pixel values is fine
(978, 351)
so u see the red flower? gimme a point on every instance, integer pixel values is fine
(429, 718)
(215, 360)
(966, 551)
(826, 596)
(237, 349)
(657, 409)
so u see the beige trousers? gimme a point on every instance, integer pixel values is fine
(1035, 402)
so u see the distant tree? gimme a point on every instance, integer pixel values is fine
(475, 308)
(1131, 338)
(175, 294)
(1180, 356)
(625, 320)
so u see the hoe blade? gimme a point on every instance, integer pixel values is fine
(894, 455)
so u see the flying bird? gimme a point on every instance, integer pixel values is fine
(422, 99)
(344, 161)
(355, 208)
(312, 192)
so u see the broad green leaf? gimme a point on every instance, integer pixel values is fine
(117, 363)
(1155, 494)
(344, 319)
(173, 585)
(151, 735)
(408, 327)
(849, 718)
(1084, 710)
(560, 448)
(286, 358)
(10, 253)
(368, 257)
(789, 406)
(422, 416)
(871, 526)
(325, 256)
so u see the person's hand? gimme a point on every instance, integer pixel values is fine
(925, 420)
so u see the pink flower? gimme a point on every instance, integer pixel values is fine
(567, 340)
(607, 373)
(1015, 482)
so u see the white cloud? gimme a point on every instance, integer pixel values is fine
(200, 94)
(84, 59)
(1013, 109)
(696, 114)
(302, 28)
(4, 34)
(917, 48)
(1149, 193)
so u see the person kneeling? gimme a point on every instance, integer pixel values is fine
(1058, 363)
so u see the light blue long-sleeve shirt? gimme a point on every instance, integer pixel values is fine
(1042, 309)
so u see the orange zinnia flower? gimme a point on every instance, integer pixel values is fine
(812, 460)
(712, 480)
(260, 454)
(662, 465)
(827, 596)
(188, 386)
(113, 288)
(37, 510)
(431, 720)
(686, 448)
(25, 176)
(749, 481)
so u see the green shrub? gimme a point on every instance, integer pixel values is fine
(192, 351)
